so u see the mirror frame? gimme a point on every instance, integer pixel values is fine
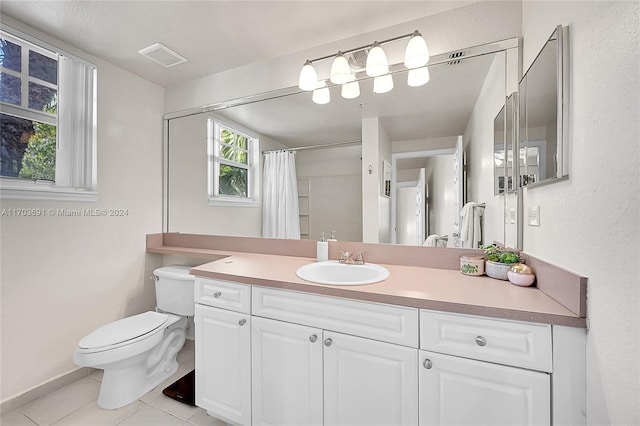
(561, 35)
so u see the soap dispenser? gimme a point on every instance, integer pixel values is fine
(322, 249)
(332, 236)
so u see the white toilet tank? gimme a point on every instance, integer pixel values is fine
(175, 289)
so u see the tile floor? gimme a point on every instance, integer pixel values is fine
(75, 405)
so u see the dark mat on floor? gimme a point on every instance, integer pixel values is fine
(183, 389)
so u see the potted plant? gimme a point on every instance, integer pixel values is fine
(499, 261)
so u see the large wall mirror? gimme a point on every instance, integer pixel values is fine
(543, 93)
(440, 133)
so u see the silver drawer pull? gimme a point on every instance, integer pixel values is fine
(242, 322)
(217, 294)
(313, 338)
(481, 341)
(328, 341)
(427, 364)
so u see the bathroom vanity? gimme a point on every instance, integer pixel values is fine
(427, 346)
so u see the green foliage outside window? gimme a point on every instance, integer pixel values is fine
(39, 161)
(233, 179)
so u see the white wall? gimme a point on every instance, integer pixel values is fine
(376, 148)
(442, 195)
(589, 224)
(335, 191)
(62, 277)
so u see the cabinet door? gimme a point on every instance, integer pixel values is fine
(223, 363)
(287, 373)
(457, 391)
(367, 382)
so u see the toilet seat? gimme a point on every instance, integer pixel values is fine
(123, 332)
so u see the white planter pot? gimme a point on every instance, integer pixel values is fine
(497, 270)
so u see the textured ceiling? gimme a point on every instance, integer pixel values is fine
(213, 35)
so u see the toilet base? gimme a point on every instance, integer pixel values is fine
(126, 381)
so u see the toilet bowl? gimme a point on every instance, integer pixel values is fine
(138, 353)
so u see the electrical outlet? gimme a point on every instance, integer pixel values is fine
(533, 215)
(512, 215)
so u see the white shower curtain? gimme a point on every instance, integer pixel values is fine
(280, 214)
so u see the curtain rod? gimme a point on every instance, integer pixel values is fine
(327, 145)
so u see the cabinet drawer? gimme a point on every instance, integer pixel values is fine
(223, 294)
(387, 323)
(506, 342)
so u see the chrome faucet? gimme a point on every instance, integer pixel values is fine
(347, 258)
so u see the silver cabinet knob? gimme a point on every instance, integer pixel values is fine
(328, 341)
(481, 341)
(242, 322)
(313, 338)
(217, 294)
(427, 364)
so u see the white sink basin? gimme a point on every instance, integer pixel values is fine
(334, 273)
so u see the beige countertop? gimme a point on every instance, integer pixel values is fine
(413, 286)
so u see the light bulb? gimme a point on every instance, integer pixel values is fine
(417, 53)
(350, 90)
(418, 77)
(340, 71)
(308, 79)
(377, 63)
(383, 84)
(321, 94)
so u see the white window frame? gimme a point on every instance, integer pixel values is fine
(214, 161)
(76, 127)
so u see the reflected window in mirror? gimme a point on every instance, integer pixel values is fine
(233, 164)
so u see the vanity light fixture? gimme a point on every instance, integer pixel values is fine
(377, 66)
(351, 89)
(418, 77)
(377, 63)
(308, 77)
(340, 71)
(383, 84)
(321, 94)
(417, 53)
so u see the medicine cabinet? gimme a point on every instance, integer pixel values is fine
(543, 114)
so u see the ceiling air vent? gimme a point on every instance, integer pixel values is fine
(455, 57)
(161, 54)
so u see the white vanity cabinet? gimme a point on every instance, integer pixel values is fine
(223, 350)
(482, 371)
(267, 356)
(367, 382)
(287, 373)
(315, 361)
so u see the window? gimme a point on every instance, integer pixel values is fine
(47, 121)
(233, 165)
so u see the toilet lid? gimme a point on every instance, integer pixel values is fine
(123, 330)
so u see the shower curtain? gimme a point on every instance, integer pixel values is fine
(280, 215)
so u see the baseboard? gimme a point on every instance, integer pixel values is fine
(44, 389)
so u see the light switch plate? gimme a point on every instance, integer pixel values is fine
(533, 216)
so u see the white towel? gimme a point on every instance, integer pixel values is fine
(470, 229)
(431, 241)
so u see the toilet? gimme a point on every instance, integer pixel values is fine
(138, 353)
